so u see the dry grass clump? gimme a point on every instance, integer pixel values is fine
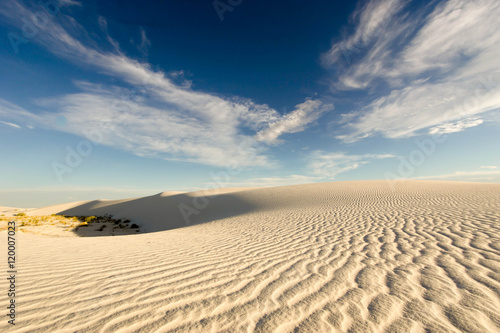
(81, 225)
(24, 221)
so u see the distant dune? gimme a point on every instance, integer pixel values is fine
(420, 256)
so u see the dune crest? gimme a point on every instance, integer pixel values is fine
(341, 256)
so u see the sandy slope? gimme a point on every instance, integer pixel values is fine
(10, 211)
(161, 211)
(342, 256)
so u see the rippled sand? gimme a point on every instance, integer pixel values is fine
(329, 257)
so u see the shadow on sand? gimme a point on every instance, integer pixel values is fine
(158, 212)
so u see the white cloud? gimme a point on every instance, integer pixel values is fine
(488, 167)
(69, 3)
(295, 121)
(455, 127)
(371, 19)
(439, 67)
(15, 113)
(9, 124)
(322, 166)
(154, 116)
(145, 42)
(328, 165)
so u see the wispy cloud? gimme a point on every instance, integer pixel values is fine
(421, 68)
(295, 121)
(153, 115)
(329, 165)
(145, 42)
(321, 166)
(9, 124)
(488, 167)
(372, 26)
(14, 113)
(69, 3)
(457, 126)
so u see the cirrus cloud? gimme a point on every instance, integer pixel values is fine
(328, 165)
(151, 114)
(420, 68)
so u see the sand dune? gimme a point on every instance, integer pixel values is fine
(10, 211)
(161, 211)
(329, 257)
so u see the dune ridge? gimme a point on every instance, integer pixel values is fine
(341, 256)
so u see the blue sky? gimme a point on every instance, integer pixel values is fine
(123, 99)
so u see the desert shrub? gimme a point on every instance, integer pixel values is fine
(21, 214)
(126, 221)
(134, 226)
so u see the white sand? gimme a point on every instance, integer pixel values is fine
(11, 211)
(341, 256)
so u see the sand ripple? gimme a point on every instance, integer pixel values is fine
(341, 257)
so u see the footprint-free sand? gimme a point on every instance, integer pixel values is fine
(363, 256)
